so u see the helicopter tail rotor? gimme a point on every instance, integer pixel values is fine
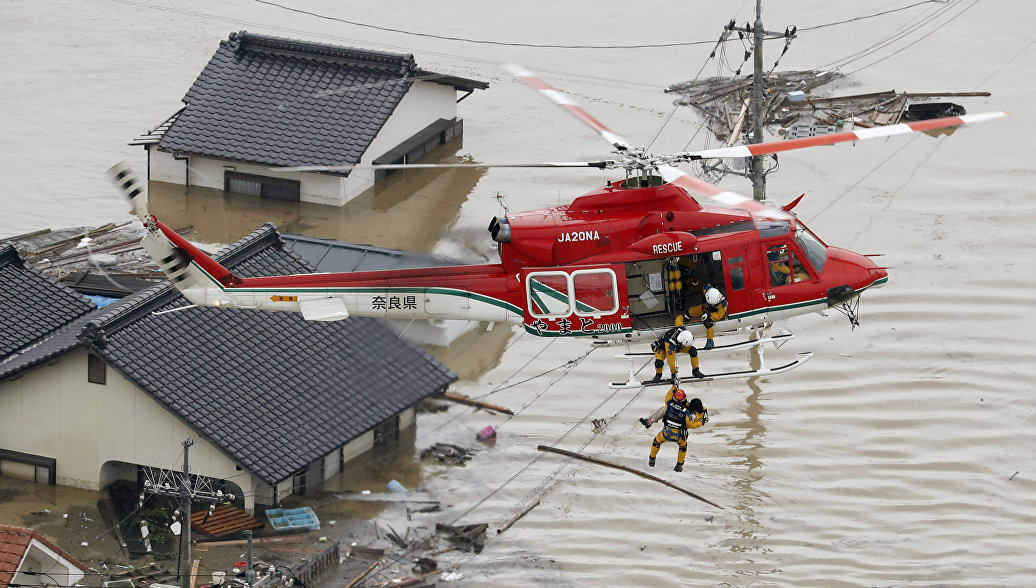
(132, 188)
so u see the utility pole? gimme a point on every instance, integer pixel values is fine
(180, 487)
(757, 170)
(758, 98)
(184, 570)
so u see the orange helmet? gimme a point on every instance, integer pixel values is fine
(679, 395)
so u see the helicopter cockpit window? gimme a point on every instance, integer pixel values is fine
(785, 267)
(815, 251)
(772, 227)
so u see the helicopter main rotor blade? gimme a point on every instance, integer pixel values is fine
(311, 168)
(856, 135)
(562, 100)
(725, 198)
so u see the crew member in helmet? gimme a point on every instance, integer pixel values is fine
(675, 340)
(679, 416)
(715, 310)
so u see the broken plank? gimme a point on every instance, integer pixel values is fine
(609, 464)
(194, 571)
(515, 518)
(473, 402)
(360, 578)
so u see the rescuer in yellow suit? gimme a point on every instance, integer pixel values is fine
(780, 272)
(678, 418)
(712, 309)
(675, 340)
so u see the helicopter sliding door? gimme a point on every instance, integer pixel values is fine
(575, 301)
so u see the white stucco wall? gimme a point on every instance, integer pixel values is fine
(55, 412)
(41, 559)
(422, 105)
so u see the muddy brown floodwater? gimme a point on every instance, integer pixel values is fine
(900, 455)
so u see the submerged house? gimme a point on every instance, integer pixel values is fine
(89, 396)
(265, 102)
(30, 559)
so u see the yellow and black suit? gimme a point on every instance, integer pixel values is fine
(708, 313)
(676, 421)
(666, 348)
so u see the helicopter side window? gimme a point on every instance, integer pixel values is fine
(737, 278)
(548, 294)
(785, 267)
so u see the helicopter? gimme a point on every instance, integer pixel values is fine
(619, 264)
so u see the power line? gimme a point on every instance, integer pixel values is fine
(953, 18)
(865, 17)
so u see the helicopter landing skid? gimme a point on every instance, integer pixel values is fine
(777, 340)
(801, 359)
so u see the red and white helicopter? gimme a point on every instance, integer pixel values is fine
(610, 265)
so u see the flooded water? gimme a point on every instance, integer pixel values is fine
(900, 455)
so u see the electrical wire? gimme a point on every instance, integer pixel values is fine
(909, 45)
(901, 32)
(868, 16)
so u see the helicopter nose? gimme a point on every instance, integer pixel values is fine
(855, 270)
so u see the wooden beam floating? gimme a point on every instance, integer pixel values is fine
(472, 402)
(616, 466)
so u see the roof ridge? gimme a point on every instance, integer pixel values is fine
(148, 299)
(244, 41)
(9, 253)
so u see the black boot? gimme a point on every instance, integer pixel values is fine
(678, 468)
(651, 461)
(657, 378)
(697, 373)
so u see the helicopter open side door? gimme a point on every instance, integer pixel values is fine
(575, 301)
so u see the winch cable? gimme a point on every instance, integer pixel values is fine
(568, 368)
(548, 482)
(558, 440)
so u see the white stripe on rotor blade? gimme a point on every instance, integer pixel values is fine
(613, 138)
(981, 116)
(729, 198)
(900, 129)
(734, 151)
(516, 70)
(558, 97)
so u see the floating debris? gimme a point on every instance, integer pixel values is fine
(465, 537)
(448, 453)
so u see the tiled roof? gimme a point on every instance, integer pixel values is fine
(283, 102)
(34, 305)
(271, 390)
(14, 542)
(330, 255)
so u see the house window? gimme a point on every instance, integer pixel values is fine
(387, 430)
(96, 369)
(253, 185)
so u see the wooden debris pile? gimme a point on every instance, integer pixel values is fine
(464, 537)
(792, 105)
(112, 248)
(448, 453)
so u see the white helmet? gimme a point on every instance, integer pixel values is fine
(685, 338)
(713, 296)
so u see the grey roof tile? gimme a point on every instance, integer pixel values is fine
(285, 102)
(271, 390)
(34, 305)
